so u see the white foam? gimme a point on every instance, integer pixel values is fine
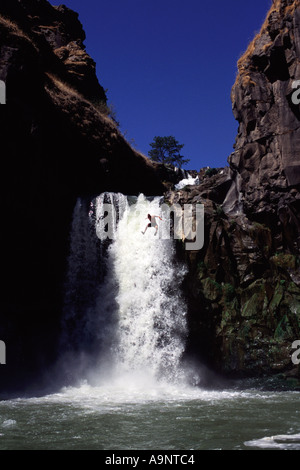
(189, 181)
(8, 423)
(133, 390)
(280, 441)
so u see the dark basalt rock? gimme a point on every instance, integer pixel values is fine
(266, 150)
(58, 143)
(243, 287)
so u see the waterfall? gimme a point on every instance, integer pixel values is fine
(131, 311)
(85, 274)
(188, 180)
(151, 323)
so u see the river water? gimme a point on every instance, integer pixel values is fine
(124, 333)
(138, 417)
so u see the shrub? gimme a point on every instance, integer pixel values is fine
(229, 292)
(211, 172)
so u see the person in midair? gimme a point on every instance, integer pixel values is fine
(152, 223)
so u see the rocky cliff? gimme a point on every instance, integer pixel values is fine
(266, 152)
(244, 286)
(58, 142)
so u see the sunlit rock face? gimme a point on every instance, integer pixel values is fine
(265, 103)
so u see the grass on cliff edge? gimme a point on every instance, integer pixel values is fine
(245, 60)
(14, 29)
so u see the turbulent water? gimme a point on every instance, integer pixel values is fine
(138, 416)
(125, 327)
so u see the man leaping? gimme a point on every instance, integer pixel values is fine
(152, 223)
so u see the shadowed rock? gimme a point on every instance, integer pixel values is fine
(243, 287)
(58, 143)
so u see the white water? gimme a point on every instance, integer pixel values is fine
(136, 313)
(283, 442)
(130, 416)
(189, 181)
(150, 330)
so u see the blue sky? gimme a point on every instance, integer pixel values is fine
(169, 66)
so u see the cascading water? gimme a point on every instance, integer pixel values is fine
(188, 180)
(151, 323)
(85, 273)
(138, 316)
(125, 330)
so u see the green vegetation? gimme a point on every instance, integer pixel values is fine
(220, 211)
(211, 172)
(229, 292)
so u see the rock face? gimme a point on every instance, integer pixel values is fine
(243, 293)
(244, 286)
(52, 85)
(58, 142)
(266, 155)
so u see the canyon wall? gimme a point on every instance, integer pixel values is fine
(58, 143)
(244, 286)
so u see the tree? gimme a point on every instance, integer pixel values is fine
(167, 150)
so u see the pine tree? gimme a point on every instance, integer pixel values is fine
(167, 150)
